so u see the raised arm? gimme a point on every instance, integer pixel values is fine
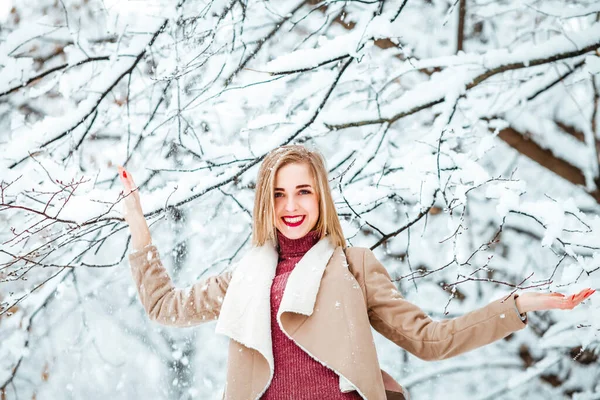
(410, 328)
(163, 302)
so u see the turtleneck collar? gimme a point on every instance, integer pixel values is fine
(296, 247)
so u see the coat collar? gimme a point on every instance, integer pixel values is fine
(246, 311)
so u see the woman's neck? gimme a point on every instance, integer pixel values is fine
(296, 247)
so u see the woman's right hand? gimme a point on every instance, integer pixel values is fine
(132, 212)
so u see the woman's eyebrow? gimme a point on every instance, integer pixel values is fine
(297, 187)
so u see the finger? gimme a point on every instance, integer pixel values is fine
(132, 184)
(124, 177)
(132, 196)
(127, 175)
(589, 293)
(581, 292)
(581, 296)
(128, 180)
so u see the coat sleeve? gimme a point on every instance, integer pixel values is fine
(172, 306)
(410, 328)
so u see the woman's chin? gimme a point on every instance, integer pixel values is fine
(292, 233)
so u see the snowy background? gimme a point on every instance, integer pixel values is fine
(462, 138)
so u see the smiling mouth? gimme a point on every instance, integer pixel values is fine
(293, 222)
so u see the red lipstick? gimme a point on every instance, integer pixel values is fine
(292, 225)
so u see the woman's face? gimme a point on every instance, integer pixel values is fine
(296, 200)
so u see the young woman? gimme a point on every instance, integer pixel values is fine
(299, 306)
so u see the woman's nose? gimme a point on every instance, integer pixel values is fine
(290, 204)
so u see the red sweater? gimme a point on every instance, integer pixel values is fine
(297, 375)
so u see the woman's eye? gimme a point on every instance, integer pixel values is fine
(304, 191)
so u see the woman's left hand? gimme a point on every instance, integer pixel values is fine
(531, 301)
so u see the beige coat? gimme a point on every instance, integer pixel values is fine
(328, 308)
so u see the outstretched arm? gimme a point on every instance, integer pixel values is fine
(163, 302)
(409, 327)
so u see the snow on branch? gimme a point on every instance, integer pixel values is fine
(351, 44)
(478, 68)
(51, 129)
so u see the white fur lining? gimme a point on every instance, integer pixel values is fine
(301, 290)
(347, 386)
(245, 313)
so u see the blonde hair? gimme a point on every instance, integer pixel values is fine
(328, 223)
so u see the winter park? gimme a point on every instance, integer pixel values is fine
(299, 199)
